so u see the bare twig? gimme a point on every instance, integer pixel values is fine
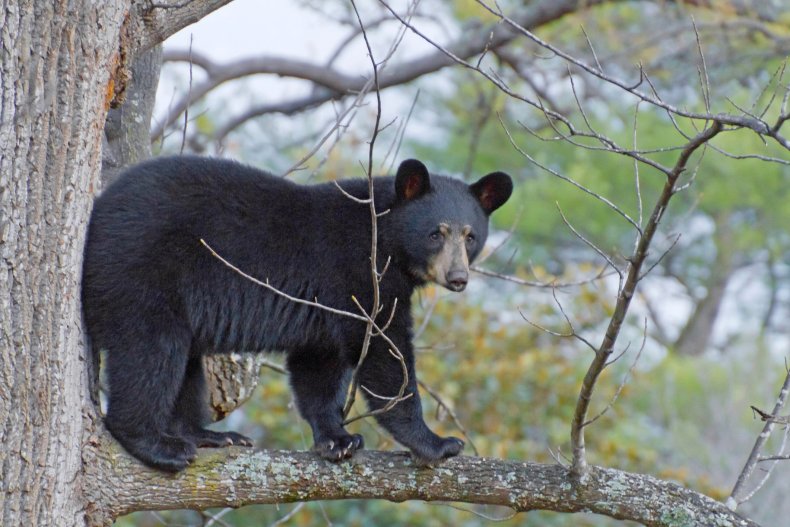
(704, 80)
(757, 125)
(279, 368)
(189, 92)
(283, 294)
(287, 517)
(553, 284)
(353, 385)
(567, 179)
(480, 515)
(771, 418)
(572, 330)
(395, 352)
(364, 318)
(590, 244)
(373, 83)
(773, 460)
(623, 382)
(461, 428)
(737, 495)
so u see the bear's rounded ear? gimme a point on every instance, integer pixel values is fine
(492, 191)
(411, 181)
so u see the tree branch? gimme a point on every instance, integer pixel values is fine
(236, 477)
(158, 19)
(218, 74)
(126, 128)
(737, 494)
(475, 39)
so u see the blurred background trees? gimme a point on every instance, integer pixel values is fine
(707, 335)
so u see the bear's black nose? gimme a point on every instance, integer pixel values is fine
(457, 280)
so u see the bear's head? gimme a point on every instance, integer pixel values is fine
(441, 223)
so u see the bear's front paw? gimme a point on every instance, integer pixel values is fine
(339, 447)
(446, 447)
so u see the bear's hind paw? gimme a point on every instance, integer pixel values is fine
(448, 447)
(211, 439)
(168, 453)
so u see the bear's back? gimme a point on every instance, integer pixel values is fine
(143, 247)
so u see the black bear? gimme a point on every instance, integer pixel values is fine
(157, 300)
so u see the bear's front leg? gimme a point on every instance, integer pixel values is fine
(382, 374)
(319, 380)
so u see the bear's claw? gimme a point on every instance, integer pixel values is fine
(338, 448)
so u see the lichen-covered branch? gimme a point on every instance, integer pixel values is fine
(236, 477)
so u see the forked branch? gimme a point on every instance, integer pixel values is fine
(625, 295)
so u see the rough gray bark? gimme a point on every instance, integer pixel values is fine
(231, 380)
(61, 63)
(239, 477)
(126, 129)
(54, 76)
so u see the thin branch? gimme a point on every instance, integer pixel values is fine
(338, 85)
(426, 318)
(354, 384)
(570, 334)
(553, 284)
(479, 514)
(757, 125)
(288, 516)
(567, 179)
(704, 80)
(773, 460)
(283, 294)
(624, 297)
(623, 382)
(590, 244)
(736, 496)
(279, 368)
(395, 352)
(771, 418)
(461, 428)
(189, 93)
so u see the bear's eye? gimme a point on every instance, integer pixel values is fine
(435, 236)
(470, 238)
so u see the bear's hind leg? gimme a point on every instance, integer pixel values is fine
(191, 411)
(319, 380)
(144, 378)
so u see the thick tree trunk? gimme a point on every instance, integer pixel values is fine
(55, 68)
(61, 64)
(126, 130)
